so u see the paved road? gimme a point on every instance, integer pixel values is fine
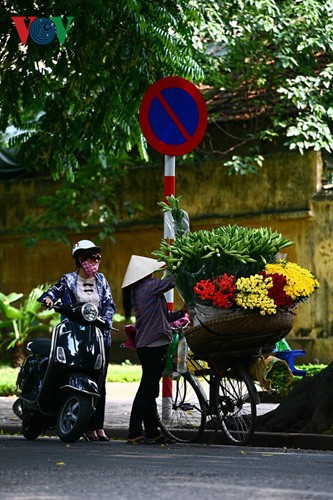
(49, 469)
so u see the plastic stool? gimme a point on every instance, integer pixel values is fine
(289, 357)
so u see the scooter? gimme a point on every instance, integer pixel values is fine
(59, 382)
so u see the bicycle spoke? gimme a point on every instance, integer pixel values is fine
(235, 400)
(185, 410)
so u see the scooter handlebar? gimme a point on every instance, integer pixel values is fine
(74, 313)
(100, 323)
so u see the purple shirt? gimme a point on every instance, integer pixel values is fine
(151, 311)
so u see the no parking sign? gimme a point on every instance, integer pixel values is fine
(173, 116)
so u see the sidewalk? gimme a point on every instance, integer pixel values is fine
(117, 412)
(119, 400)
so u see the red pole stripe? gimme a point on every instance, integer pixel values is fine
(169, 186)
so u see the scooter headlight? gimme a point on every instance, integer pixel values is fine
(89, 312)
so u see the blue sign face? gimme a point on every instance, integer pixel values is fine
(179, 126)
(173, 116)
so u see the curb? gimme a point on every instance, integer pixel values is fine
(293, 440)
(317, 442)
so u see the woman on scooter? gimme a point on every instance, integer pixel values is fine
(86, 284)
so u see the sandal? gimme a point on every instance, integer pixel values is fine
(102, 436)
(137, 440)
(90, 437)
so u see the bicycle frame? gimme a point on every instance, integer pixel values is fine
(230, 404)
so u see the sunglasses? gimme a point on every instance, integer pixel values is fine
(94, 257)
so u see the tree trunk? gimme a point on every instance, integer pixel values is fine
(308, 408)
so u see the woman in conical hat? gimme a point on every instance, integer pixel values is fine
(145, 295)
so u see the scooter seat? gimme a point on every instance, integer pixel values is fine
(40, 346)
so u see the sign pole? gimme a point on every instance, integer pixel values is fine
(169, 190)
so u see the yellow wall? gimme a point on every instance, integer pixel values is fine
(283, 197)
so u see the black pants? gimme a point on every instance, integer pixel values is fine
(97, 420)
(153, 360)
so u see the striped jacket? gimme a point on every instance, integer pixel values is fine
(65, 290)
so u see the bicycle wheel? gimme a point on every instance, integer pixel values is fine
(235, 401)
(182, 416)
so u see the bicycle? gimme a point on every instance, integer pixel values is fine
(230, 405)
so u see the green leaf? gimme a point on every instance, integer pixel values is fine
(11, 297)
(11, 312)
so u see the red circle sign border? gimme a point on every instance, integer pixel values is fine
(150, 94)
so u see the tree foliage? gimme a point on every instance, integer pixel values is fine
(77, 103)
(265, 62)
(89, 88)
(273, 67)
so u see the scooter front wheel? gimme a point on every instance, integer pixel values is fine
(74, 416)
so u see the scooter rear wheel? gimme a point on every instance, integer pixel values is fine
(74, 416)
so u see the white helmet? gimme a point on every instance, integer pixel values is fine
(84, 245)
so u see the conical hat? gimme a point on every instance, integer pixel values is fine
(140, 267)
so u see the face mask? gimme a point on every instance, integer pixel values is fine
(90, 268)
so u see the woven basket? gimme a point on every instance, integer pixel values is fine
(239, 332)
(203, 314)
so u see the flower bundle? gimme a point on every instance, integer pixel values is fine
(233, 250)
(279, 286)
(272, 373)
(220, 291)
(233, 267)
(300, 282)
